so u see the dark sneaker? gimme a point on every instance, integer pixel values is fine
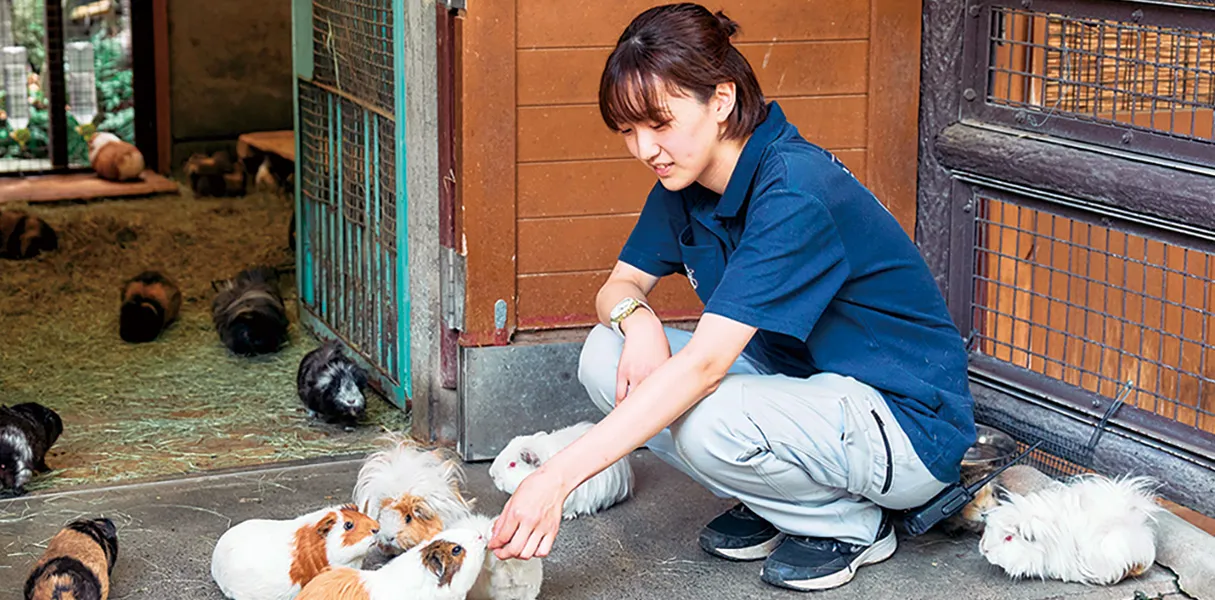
(739, 534)
(807, 563)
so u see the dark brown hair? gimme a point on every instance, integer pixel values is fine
(677, 48)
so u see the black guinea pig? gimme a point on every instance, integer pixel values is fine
(331, 385)
(249, 313)
(150, 302)
(27, 432)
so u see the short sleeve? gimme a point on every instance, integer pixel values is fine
(788, 266)
(653, 246)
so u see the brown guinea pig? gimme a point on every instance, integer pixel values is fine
(77, 563)
(150, 302)
(114, 159)
(23, 235)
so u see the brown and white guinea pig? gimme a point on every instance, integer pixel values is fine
(444, 567)
(113, 158)
(524, 454)
(331, 385)
(249, 313)
(77, 563)
(1094, 530)
(411, 491)
(265, 559)
(23, 235)
(510, 579)
(150, 302)
(27, 432)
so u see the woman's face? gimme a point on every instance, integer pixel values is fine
(681, 150)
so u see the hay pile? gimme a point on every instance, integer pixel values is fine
(177, 405)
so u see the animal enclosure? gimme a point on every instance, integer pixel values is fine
(1075, 234)
(350, 96)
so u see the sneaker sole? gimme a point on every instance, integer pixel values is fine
(878, 552)
(756, 552)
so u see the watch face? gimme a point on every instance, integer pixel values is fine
(623, 307)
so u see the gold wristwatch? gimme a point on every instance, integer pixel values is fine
(623, 309)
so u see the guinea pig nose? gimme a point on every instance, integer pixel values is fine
(374, 531)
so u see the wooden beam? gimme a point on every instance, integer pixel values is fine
(486, 171)
(894, 78)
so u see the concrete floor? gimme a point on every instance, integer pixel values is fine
(642, 549)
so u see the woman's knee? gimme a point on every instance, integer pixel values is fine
(712, 435)
(597, 363)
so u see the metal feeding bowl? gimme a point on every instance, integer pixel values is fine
(992, 449)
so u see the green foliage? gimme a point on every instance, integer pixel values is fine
(29, 29)
(115, 97)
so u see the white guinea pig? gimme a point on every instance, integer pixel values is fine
(441, 568)
(510, 579)
(263, 559)
(1093, 530)
(524, 454)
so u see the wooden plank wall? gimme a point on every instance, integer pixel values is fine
(576, 191)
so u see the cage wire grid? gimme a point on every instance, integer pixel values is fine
(1096, 307)
(1119, 69)
(352, 46)
(348, 188)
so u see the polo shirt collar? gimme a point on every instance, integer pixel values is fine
(740, 180)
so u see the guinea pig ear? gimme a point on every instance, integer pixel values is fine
(434, 560)
(530, 457)
(326, 525)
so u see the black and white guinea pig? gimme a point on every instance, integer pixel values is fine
(249, 313)
(331, 385)
(524, 454)
(77, 563)
(27, 432)
(23, 235)
(150, 302)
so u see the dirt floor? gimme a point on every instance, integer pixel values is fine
(182, 403)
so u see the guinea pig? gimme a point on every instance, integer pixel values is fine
(27, 432)
(970, 518)
(441, 568)
(249, 313)
(76, 564)
(264, 559)
(114, 159)
(411, 491)
(510, 579)
(1094, 530)
(23, 235)
(524, 454)
(264, 180)
(150, 302)
(331, 385)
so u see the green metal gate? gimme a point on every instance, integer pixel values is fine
(350, 197)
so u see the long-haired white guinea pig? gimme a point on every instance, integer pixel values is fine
(524, 454)
(441, 568)
(1093, 530)
(510, 579)
(263, 559)
(411, 491)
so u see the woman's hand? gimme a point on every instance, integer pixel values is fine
(529, 521)
(645, 349)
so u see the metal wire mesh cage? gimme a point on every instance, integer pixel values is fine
(352, 278)
(1135, 75)
(352, 41)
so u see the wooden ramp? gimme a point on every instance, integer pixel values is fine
(281, 143)
(81, 186)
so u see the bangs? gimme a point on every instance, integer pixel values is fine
(628, 94)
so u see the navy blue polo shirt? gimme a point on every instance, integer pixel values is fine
(797, 248)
